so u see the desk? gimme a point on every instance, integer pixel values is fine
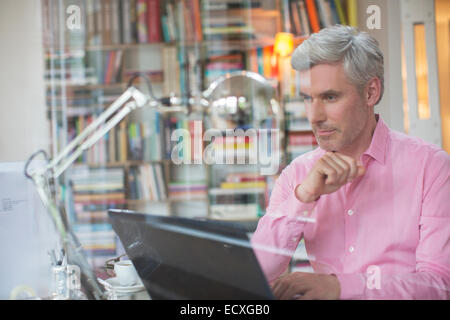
(141, 295)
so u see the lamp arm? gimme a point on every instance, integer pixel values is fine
(96, 135)
(62, 161)
(131, 92)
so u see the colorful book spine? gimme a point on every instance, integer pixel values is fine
(242, 185)
(340, 12)
(304, 19)
(154, 21)
(141, 20)
(196, 17)
(352, 13)
(313, 15)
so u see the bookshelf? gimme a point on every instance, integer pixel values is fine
(182, 46)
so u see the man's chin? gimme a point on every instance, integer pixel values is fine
(328, 145)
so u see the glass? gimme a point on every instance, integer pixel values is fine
(65, 62)
(59, 283)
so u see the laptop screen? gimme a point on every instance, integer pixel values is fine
(181, 258)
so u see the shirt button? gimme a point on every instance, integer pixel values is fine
(305, 213)
(350, 212)
(351, 249)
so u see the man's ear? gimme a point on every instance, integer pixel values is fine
(373, 91)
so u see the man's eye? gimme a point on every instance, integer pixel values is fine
(307, 98)
(331, 98)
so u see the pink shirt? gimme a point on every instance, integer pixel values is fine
(385, 235)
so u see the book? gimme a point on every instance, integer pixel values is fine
(340, 12)
(171, 22)
(98, 196)
(301, 138)
(125, 11)
(133, 21)
(324, 13)
(304, 18)
(334, 13)
(154, 31)
(352, 13)
(313, 15)
(244, 177)
(224, 5)
(235, 211)
(106, 21)
(242, 185)
(161, 182)
(194, 6)
(123, 145)
(295, 16)
(141, 21)
(115, 22)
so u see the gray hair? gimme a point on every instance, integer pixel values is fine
(358, 51)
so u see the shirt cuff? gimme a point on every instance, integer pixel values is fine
(298, 210)
(352, 286)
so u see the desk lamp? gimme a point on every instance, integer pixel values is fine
(213, 100)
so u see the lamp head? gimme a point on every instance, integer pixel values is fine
(241, 99)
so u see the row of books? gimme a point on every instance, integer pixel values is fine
(94, 191)
(228, 147)
(98, 240)
(300, 142)
(303, 17)
(186, 148)
(103, 22)
(220, 24)
(140, 141)
(259, 60)
(187, 190)
(220, 5)
(147, 182)
(95, 67)
(220, 63)
(82, 100)
(240, 183)
(107, 66)
(240, 196)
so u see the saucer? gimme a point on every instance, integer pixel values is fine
(114, 282)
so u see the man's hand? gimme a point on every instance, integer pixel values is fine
(328, 174)
(307, 286)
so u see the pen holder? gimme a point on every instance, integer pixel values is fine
(59, 290)
(66, 283)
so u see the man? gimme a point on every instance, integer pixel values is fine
(372, 204)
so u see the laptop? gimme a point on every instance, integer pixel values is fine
(184, 258)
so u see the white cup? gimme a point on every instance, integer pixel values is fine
(126, 273)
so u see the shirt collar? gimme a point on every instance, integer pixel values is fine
(377, 148)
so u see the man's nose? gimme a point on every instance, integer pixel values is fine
(316, 112)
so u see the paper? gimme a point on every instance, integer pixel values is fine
(26, 234)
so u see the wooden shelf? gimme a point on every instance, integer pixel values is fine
(129, 163)
(238, 44)
(120, 85)
(107, 47)
(224, 43)
(167, 200)
(144, 201)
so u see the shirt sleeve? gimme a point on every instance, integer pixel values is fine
(280, 229)
(431, 279)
